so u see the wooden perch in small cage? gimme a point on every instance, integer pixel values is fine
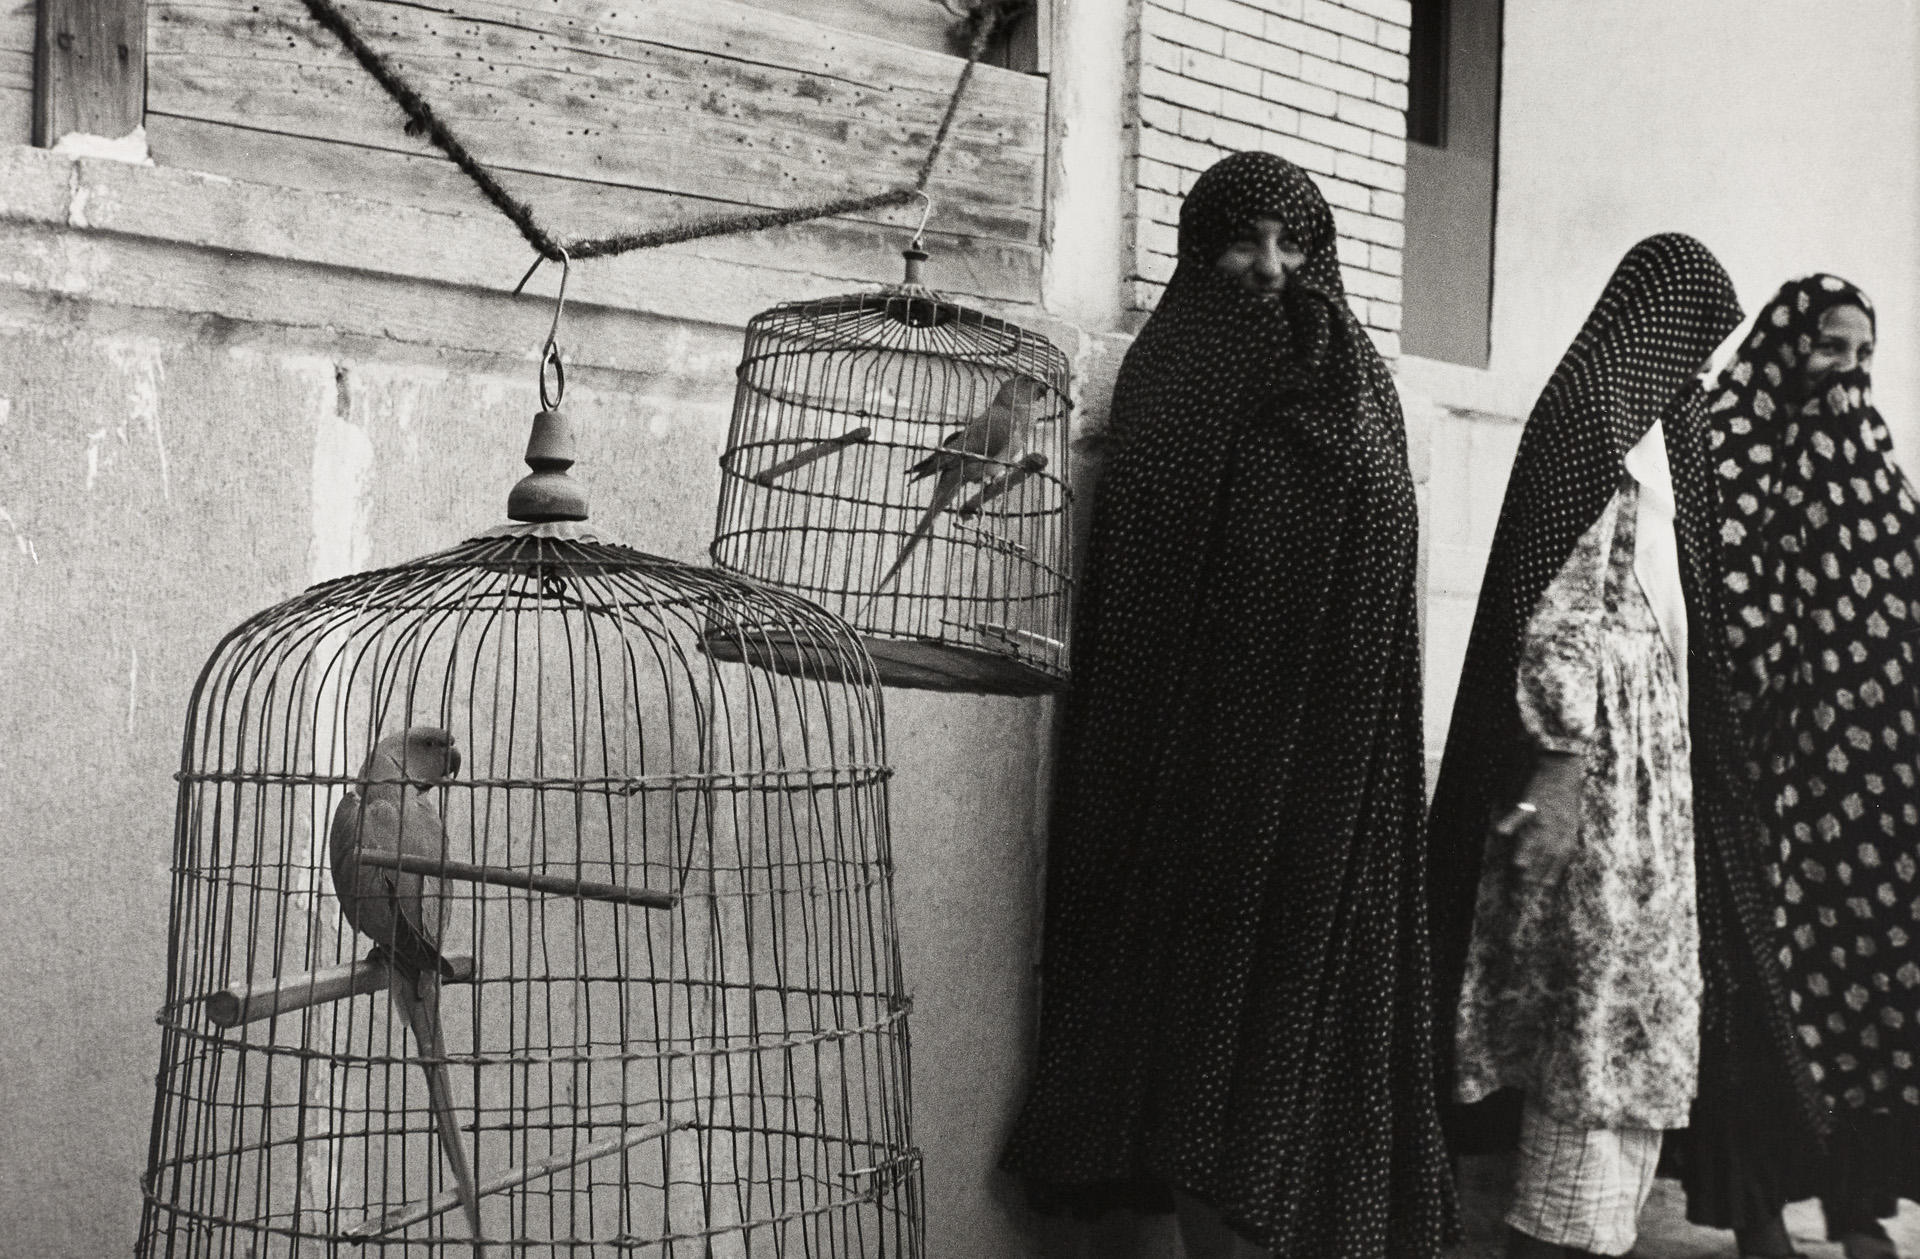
(820, 450)
(547, 884)
(1002, 484)
(1009, 634)
(440, 1204)
(252, 1002)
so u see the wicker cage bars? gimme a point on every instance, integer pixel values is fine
(841, 406)
(719, 1076)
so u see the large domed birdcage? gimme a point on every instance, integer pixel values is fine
(901, 459)
(507, 917)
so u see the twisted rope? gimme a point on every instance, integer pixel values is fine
(985, 17)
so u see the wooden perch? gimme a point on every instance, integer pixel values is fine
(250, 1003)
(440, 1204)
(793, 463)
(986, 536)
(549, 884)
(1018, 635)
(1003, 483)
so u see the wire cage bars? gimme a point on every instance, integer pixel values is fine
(507, 918)
(901, 459)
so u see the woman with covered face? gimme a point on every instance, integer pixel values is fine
(1821, 543)
(1598, 908)
(1235, 988)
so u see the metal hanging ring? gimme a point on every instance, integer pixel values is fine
(550, 357)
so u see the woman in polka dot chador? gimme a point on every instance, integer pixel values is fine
(1604, 936)
(1821, 540)
(1236, 1007)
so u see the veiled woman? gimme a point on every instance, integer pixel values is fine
(1235, 1004)
(1821, 542)
(1596, 891)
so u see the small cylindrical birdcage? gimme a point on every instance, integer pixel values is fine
(901, 459)
(508, 917)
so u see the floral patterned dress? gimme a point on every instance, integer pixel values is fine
(1587, 994)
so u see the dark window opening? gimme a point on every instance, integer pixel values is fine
(1021, 42)
(1427, 73)
(1453, 123)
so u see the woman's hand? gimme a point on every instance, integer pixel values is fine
(1546, 822)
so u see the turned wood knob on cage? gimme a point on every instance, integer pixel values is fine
(549, 492)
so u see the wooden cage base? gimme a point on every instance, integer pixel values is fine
(921, 664)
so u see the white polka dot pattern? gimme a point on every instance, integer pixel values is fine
(1236, 977)
(1821, 539)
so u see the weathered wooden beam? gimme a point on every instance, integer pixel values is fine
(268, 265)
(90, 69)
(18, 22)
(708, 102)
(916, 23)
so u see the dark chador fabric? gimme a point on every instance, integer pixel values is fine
(1821, 540)
(1633, 365)
(1235, 971)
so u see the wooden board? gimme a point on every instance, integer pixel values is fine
(928, 24)
(853, 250)
(661, 111)
(17, 19)
(90, 61)
(918, 23)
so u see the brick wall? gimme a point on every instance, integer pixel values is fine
(1322, 84)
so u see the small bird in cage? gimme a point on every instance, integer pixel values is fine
(390, 906)
(972, 454)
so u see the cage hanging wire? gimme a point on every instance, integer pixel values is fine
(901, 459)
(646, 890)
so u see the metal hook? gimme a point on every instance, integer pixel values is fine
(537, 260)
(926, 212)
(550, 350)
(560, 302)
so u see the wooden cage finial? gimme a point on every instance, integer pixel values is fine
(548, 492)
(916, 260)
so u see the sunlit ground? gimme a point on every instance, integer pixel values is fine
(1664, 1231)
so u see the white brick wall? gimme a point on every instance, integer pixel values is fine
(1323, 83)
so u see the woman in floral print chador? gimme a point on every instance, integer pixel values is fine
(1603, 934)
